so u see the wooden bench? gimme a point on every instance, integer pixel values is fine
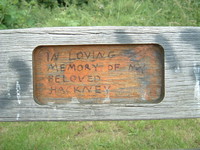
(99, 73)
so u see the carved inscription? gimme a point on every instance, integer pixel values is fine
(98, 74)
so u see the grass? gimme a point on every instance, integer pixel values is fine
(154, 134)
(162, 134)
(101, 13)
(129, 13)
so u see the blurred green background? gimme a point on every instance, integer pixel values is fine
(151, 134)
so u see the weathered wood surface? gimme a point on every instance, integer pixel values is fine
(182, 73)
(94, 74)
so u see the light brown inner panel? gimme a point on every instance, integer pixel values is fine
(125, 74)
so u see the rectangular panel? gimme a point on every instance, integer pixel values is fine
(125, 74)
(17, 70)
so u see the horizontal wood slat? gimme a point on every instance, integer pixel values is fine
(182, 73)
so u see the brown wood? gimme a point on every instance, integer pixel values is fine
(131, 73)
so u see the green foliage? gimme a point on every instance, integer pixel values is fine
(21, 14)
(7, 13)
(42, 13)
(48, 3)
(76, 2)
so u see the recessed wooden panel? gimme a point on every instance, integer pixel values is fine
(125, 74)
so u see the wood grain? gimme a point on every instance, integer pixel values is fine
(182, 73)
(94, 74)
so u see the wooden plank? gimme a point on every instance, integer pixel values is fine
(182, 73)
(92, 74)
